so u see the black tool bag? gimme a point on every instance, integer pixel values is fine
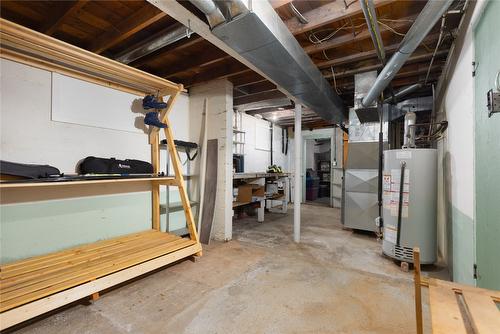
(94, 165)
(29, 171)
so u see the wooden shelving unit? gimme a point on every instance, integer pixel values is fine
(34, 286)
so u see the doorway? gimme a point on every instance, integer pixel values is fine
(317, 155)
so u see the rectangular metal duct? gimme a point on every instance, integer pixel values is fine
(261, 37)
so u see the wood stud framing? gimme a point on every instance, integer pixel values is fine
(34, 286)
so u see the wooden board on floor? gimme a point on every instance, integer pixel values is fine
(207, 216)
(479, 309)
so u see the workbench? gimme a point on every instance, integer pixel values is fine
(276, 188)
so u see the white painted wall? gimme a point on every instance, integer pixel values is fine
(258, 157)
(29, 135)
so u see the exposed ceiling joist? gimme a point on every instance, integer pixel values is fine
(218, 72)
(329, 13)
(206, 58)
(367, 54)
(141, 19)
(350, 38)
(270, 109)
(52, 25)
(279, 3)
(270, 94)
(145, 45)
(356, 70)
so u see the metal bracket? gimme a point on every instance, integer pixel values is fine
(493, 102)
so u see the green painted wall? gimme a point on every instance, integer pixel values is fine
(487, 149)
(36, 228)
(463, 247)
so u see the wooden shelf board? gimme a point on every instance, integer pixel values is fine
(34, 278)
(161, 180)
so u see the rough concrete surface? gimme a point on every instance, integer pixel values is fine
(334, 281)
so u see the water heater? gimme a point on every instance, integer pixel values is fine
(409, 203)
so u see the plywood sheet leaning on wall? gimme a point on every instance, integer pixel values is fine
(210, 191)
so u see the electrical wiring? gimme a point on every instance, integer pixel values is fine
(440, 39)
(335, 81)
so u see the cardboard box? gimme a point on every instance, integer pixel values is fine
(250, 192)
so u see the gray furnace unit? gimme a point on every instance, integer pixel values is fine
(409, 210)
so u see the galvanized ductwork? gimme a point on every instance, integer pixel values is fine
(431, 13)
(259, 35)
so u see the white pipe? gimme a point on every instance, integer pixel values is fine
(297, 193)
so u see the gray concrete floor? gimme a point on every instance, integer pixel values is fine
(334, 281)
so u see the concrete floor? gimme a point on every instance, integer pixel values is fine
(335, 281)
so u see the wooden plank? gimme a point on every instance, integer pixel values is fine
(176, 164)
(5, 268)
(10, 300)
(24, 41)
(52, 26)
(44, 279)
(141, 19)
(73, 256)
(279, 3)
(210, 190)
(418, 291)
(23, 275)
(28, 311)
(445, 313)
(164, 180)
(484, 314)
(326, 14)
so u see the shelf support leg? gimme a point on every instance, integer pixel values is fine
(176, 164)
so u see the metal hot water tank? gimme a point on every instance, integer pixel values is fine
(413, 223)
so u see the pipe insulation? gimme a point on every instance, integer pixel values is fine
(431, 13)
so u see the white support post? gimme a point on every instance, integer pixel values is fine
(297, 197)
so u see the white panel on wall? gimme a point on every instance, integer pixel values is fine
(262, 136)
(80, 102)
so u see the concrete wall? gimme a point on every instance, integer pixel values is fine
(220, 117)
(31, 224)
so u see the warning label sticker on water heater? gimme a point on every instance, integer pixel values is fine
(391, 192)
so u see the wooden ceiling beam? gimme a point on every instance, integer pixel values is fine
(52, 25)
(141, 19)
(187, 43)
(326, 14)
(349, 38)
(360, 56)
(218, 72)
(279, 3)
(361, 69)
(261, 96)
(207, 57)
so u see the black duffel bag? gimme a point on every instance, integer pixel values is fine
(29, 171)
(94, 165)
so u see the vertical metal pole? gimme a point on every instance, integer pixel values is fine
(297, 197)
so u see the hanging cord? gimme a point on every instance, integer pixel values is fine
(443, 21)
